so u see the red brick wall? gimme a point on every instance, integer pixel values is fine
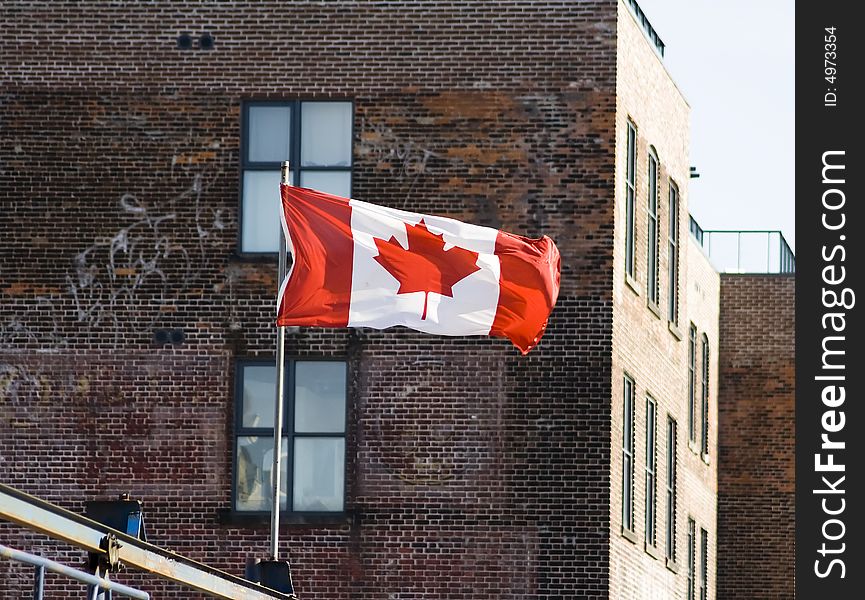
(756, 478)
(472, 472)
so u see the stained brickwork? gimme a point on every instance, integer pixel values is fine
(471, 472)
(756, 477)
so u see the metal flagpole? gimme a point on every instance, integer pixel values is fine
(276, 472)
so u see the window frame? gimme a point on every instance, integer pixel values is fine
(673, 254)
(651, 508)
(628, 452)
(692, 558)
(704, 398)
(288, 432)
(296, 136)
(704, 564)
(631, 200)
(653, 229)
(692, 384)
(672, 472)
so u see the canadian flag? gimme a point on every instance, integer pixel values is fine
(357, 264)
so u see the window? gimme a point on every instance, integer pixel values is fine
(704, 430)
(692, 383)
(314, 136)
(651, 471)
(671, 490)
(313, 476)
(673, 259)
(704, 564)
(652, 237)
(630, 195)
(628, 456)
(692, 552)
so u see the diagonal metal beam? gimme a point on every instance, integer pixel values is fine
(61, 524)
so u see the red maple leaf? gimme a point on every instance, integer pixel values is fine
(426, 266)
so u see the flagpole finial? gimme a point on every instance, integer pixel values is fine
(286, 178)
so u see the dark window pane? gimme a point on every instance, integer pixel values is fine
(671, 490)
(629, 242)
(630, 191)
(704, 438)
(673, 258)
(632, 154)
(704, 564)
(651, 484)
(652, 235)
(692, 383)
(692, 549)
(628, 456)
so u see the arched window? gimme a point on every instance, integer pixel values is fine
(673, 258)
(630, 195)
(652, 286)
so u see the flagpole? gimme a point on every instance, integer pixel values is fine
(276, 471)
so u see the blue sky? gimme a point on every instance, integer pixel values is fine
(733, 61)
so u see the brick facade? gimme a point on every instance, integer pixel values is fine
(699, 483)
(756, 479)
(471, 472)
(646, 346)
(120, 171)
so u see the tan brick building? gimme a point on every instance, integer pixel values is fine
(665, 309)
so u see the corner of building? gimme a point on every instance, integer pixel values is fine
(652, 306)
(756, 413)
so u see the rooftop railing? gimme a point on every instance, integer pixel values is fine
(748, 251)
(650, 32)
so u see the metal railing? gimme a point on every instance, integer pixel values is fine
(122, 549)
(94, 583)
(732, 251)
(650, 32)
(695, 229)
